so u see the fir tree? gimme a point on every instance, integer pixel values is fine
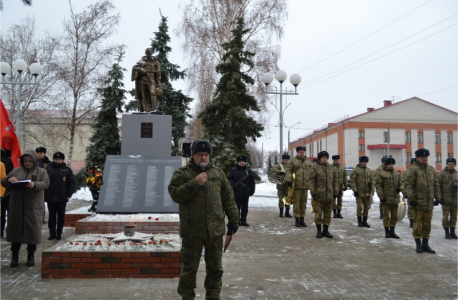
(227, 122)
(269, 164)
(105, 139)
(171, 102)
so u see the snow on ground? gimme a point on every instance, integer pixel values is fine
(83, 194)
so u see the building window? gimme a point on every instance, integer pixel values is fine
(361, 134)
(321, 145)
(438, 158)
(438, 138)
(408, 156)
(385, 137)
(449, 138)
(420, 137)
(408, 137)
(361, 148)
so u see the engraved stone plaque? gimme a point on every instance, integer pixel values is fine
(146, 130)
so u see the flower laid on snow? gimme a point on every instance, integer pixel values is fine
(149, 218)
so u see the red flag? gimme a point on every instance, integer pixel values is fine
(8, 138)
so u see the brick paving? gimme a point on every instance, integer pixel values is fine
(272, 259)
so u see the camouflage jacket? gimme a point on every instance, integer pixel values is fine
(386, 183)
(362, 181)
(421, 186)
(323, 182)
(202, 208)
(275, 170)
(447, 181)
(300, 167)
(341, 175)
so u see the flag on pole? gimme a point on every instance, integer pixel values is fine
(8, 138)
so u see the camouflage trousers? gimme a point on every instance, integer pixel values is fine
(422, 223)
(363, 204)
(390, 214)
(337, 202)
(300, 202)
(449, 211)
(409, 209)
(281, 194)
(191, 252)
(323, 212)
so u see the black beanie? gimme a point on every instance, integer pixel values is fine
(389, 160)
(58, 155)
(421, 152)
(323, 153)
(334, 157)
(40, 149)
(364, 159)
(241, 157)
(300, 148)
(285, 156)
(201, 146)
(450, 159)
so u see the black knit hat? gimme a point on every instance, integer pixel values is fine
(323, 153)
(334, 157)
(241, 157)
(40, 149)
(201, 146)
(363, 159)
(389, 160)
(285, 156)
(315, 160)
(421, 152)
(383, 159)
(300, 148)
(58, 154)
(450, 159)
(412, 160)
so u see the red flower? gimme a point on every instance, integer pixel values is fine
(149, 218)
(84, 243)
(90, 244)
(109, 244)
(166, 241)
(77, 244)
(71, 243)
(157, 219)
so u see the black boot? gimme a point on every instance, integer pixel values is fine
(334, 212)
(298, 224)
(30, 255)
(418, 249)
(326, 231)
(387, 232)
(318, 231)
(93, 207)
(411, 223)
(452, 233)
(426, 247)
(244, 223)
(302, 222)
(365, 222)
(281, 213)
(339, 215)
(393, 234)
(381, 214)
(15, 255)
(360, 221)
(447, 233)
(287, 215)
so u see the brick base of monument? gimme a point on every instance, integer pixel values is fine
(83, 227)
(71, 219)
(59, 265)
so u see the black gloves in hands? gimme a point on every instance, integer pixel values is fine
(344, 189)
(436, 202)
(232, 228)
(334, 196)
(383, 200)
(281, 173)
(290, 184)
(413, 203)
(315, 196)
(398, 190)
(441, 201)
(356, 194)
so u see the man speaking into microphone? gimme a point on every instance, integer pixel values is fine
(204, 196)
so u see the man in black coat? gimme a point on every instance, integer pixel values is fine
(242, 180)
(61, 188)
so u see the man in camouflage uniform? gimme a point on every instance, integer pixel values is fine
(204, 196)
(362, 184)
(342, 181)
(404, 194)
(380, 168)
(324, 186)
(423, 193)
(388, 186)
(447, 181)
(300, 166)
(282, 188)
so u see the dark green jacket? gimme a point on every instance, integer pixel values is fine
(386, 183)
(421, 186)
(300, 167)
(323, 182)
(202, 208)
(341, 174)
(447, 181)
(362, 181)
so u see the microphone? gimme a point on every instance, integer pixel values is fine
(202, 169)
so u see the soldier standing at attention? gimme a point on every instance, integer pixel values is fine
(362, 184)
(204, 196)
(282, 188)
(388, 186)
(423, 193)
(342, 181)
(324, 187)
(380, 168)
(447, 181)
(300, 166)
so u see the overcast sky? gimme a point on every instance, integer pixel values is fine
(351, 54)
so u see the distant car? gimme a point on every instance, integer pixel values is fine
(348, 170)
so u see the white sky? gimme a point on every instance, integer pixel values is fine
(321, 37)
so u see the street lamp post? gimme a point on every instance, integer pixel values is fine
(19, 65)
(289, 135)
(281, 76)
(262, 154)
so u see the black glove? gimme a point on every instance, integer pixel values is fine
(455, 187)
(441, 201)
(290, 184)
(315, 196)
(413, 203)
(436, 202)
(356, 194)
(344, 189)
(398, 190)
(334, 195)
(383, 200)
(232, 228)
(281, 173)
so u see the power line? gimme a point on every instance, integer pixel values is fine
(438, 90)
(364, 38)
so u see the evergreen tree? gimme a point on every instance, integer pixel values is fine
(269, 165)
(171, 102)
(105, 139)
(227, 122)
(275, 160)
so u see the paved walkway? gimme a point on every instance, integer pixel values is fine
(272, 259)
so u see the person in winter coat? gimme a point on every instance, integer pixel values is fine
(380, 168)
(447, 181)
(204, 196)
(388, 185)
(242, 181)
(404, 194)
(26, 207)
(362, 184)
(342, 180)
(61, 188)
(282, 189)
